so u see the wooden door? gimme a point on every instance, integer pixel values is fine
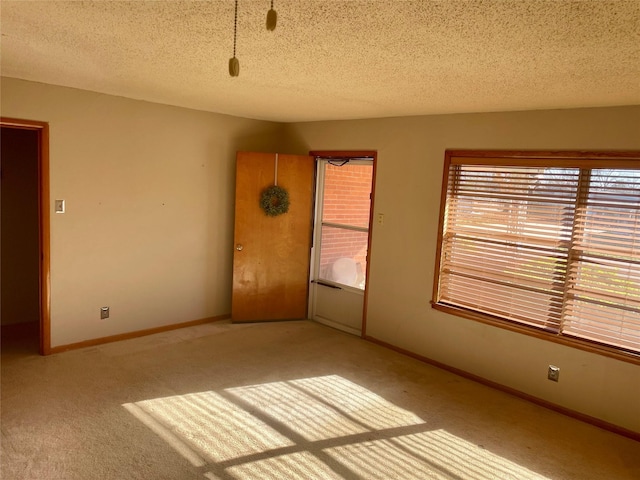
(271, 253)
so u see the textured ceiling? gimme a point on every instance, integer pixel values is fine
(334, 59)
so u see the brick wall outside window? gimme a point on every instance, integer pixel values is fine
(346, 202)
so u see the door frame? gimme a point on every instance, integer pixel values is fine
(44, 240)
(338, 154)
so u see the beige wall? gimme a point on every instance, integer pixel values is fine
(149, 192)
(410, 160)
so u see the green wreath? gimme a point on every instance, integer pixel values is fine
(274, 201)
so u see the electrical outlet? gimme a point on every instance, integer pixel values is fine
(104, 313)
(553, 373)
(380, 218)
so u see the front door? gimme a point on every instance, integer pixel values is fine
(343, 210)
(271, 252)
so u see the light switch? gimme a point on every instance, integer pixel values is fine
(59, 206)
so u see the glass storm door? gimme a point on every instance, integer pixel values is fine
(341, 236)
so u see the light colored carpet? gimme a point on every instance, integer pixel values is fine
(291, 400)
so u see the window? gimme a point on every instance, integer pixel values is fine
(547, 244)
(344, 209)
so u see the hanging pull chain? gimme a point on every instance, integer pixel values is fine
(234, 64)
(235, 28)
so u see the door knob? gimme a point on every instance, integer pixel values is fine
(239, 247)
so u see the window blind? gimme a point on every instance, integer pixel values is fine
(548, 244)
(603, 285)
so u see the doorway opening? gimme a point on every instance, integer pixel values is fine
(340, 253)
(24, 307)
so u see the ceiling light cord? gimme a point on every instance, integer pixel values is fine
(234, 64)
(235, 28)
(272, 20)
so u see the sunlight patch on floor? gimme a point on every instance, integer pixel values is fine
(430, 454)
(212, 426)
(322, 427)
(296, 465)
